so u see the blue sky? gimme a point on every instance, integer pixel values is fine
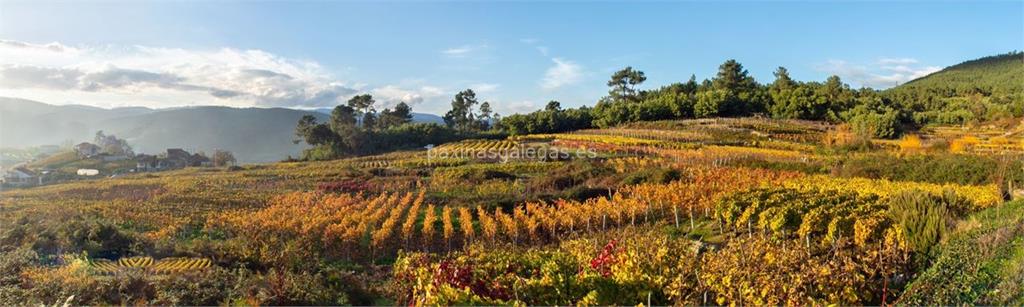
(518, 55)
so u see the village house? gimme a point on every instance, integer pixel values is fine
(200, 160)
(145, 163)
(20, 177)
(87, 150)
(174, 158)
(87, 172)
(111, 158)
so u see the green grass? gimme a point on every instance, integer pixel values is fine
(982, 262)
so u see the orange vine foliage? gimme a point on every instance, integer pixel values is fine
(306, 225)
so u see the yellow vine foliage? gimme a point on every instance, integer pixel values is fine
(488, 226)
(983, 196)
(410, 220)
(466, 223)
(304, 225)
(508, 225)
(428, 224)
(446, 220)
(646, 203)
(910, 143)
(963, 144)
(748, 271)
(382, 234)
(147, 264)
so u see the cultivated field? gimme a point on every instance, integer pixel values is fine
(693, 212)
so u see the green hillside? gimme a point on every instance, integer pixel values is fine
(992, 75)
(981, 90)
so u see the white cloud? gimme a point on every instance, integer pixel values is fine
(563, 73)
(521, 107)
(897, 61)
(543, 50)
(390, 95)
(52, 47)
(533, 42)
(431, 91)
(484, 87)
(884, 73)
(462, 51)
(220, 76)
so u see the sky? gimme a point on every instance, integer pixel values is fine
(516, 55)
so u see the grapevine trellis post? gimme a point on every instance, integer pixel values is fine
(807, 241)
(647, 216)
(692, 226)
(675, 210)
(784, 247)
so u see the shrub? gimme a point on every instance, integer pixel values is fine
(880, 124)
(12, 264)
(582, 193)
(979, 264)
(923, 218)
(98, 238)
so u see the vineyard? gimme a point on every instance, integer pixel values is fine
(692, 212)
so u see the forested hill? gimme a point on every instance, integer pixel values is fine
(981, 90)
(997, 75)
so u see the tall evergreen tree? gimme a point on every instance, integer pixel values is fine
(343, 118)
(391, 118)
(732, 77)
(553, 105)
(740, 94)
(461, 115)
(623, 84)
(363, 105)
(782, 80)
(485, 115)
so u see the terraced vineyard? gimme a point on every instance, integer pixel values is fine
(692, 212)
(162, 266)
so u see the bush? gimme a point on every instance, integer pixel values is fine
(582, 193)
(879, 125)
(923, 218)
(12, 264)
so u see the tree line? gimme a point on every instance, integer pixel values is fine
(357, 128)
(733, 92)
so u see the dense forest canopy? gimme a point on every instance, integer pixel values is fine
(977, 90)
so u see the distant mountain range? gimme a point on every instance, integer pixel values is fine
(252, 134)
